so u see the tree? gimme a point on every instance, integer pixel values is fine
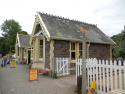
(119, 48)
(3, 46)
(10, 29)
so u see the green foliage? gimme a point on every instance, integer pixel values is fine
(3, 46)
(10, 29)
(119, 48)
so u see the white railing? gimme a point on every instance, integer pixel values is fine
(62, 66)
(109, 75)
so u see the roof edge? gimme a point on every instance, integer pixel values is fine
(18, 40)
(55, 38)
(61, 17)
(43, 25)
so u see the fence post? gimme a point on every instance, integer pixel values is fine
(103, 75)
(97, 73)
(116, 80)
(63, 69)
(111, 74)
(120, 75)
(87, 66)
(76, 67)
(57, 66)
(100, 75)
(107, 75)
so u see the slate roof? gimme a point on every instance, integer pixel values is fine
(24, 40)
(66, 29)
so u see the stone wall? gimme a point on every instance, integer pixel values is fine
(47, 54)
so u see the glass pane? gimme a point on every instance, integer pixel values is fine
(73, 55)
(41, 49)
(41, 53)
(41, 42)
(73, 46)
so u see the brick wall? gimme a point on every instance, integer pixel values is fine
(61, 48)
(99, 51)
(47, 54)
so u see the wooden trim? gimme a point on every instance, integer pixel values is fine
(44, 53)
(87, 49)
(79, 40)
(18, 39)
(70, 49)
(43, 26)
(38, 20)
(27, 55)
(20, 54)
(77, 50)
(33, 51)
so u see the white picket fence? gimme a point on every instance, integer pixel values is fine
(62, 66)
(109, 75)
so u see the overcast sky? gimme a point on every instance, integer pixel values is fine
(109, 15)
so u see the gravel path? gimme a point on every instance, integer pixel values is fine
(16, 81)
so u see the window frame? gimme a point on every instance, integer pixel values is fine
(72, 50)
(40, 49)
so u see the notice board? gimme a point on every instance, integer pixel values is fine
(33, 74)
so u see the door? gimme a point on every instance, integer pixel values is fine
(29, 56)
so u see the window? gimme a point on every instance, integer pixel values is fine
(76, 50)
(41, 49)
(18, 51)
(73, 46)
(32, 52)
(73, 51)
(34, 48)
(25, 54)
(80, 50)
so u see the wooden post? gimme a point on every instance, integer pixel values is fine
(84, 80)
(83, 65)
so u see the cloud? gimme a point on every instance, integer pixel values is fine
(109, 15)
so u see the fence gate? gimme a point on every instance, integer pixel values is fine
(109, 75)
(62, 66)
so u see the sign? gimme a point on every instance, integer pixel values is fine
(13, 64)
(33, 74)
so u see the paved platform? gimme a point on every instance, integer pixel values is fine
(16, 81)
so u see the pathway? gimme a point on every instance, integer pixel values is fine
(16, 81)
